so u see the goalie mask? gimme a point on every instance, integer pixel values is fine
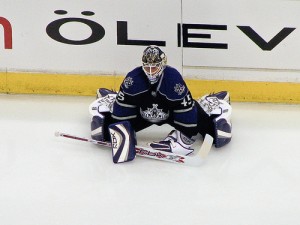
(154, 62)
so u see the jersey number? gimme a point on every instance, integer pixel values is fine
(187, 101)
(120, 96)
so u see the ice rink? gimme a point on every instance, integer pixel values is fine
(45, 180)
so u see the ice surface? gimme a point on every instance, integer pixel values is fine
(45, 180)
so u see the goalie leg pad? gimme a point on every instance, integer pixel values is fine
(223, 125)
(97, 130)
(217, 107)
(123, 142)
(211, 103)
(102, 92)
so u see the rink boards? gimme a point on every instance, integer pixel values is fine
(250, 48)
(72, 84)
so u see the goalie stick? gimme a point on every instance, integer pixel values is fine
(195, 160)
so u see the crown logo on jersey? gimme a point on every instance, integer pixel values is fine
(128, 82)
(154, 114)
(179, 89)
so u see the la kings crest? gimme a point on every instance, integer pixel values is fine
(154, 114)
(179, 89)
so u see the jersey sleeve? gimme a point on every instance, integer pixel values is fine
(180, 100)
(125, 107)
(185, 115)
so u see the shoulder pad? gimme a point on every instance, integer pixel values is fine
(172, 84)
(135, 82)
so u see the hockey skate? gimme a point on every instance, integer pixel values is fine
(175, 142)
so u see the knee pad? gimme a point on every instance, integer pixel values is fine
(102, 92)
(100, 110)
(102, 104)
(219, 110)
(223, 125)
(97, 127)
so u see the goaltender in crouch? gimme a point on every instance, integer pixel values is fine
(155, 93)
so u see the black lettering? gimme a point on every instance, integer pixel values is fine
(266, 46)
(178, 34)
(186, 35)
(122, 37)
(52, 29)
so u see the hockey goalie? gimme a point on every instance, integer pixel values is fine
(155, 93)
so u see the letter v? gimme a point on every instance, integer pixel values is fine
(266, 46)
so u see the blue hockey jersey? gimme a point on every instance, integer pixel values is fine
(167, 101)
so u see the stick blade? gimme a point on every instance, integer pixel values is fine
(206, 146)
